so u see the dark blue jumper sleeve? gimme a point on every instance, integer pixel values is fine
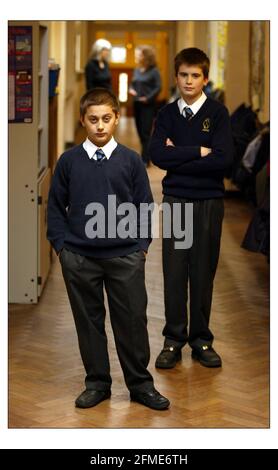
(221, 157)
(142, 199)
(168, 157)
(57, 206)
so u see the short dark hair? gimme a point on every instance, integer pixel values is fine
(96, 97)
(192, 56)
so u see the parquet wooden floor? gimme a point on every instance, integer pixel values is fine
(46, 373)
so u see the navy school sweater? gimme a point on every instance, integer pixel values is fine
(79, 181)
(188, 174)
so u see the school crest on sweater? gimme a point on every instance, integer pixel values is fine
(206, 125)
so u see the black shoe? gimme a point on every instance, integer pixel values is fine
(207, 356)
(168, 357)
(151, 398)
(90, 398)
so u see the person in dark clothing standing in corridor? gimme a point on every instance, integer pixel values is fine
(192, 140)
(97, 70)
(98, 178)
(145, 86)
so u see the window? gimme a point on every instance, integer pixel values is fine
(118, 54)
(123, 87)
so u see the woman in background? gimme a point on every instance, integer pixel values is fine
(145, 86)
(97, 70)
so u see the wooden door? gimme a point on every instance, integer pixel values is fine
(126, 42)
(127, 102)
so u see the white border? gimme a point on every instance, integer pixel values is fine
(145, 438)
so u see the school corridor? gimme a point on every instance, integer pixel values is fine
(48, 72)
(45, 369)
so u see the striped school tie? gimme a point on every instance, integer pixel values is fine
(188, 113)
(100, 155)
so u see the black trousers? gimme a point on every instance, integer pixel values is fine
(124, 281)
(198, 266)
(144, 115)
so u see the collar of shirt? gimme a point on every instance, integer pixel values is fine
(194, 106)
(91, 148)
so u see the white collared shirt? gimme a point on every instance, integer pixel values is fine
(91, 148)
(194, 106)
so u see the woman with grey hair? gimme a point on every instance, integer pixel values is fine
(97, 70)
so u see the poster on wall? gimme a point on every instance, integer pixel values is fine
(20, 74)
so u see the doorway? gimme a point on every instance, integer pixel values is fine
(124, 38)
